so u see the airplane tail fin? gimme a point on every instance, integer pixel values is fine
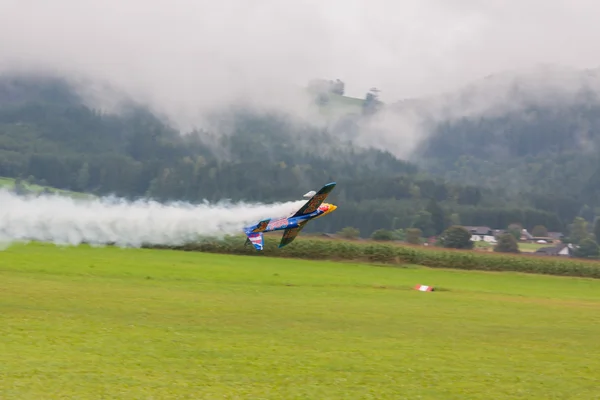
(256, 239)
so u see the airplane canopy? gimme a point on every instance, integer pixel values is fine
(309, 194)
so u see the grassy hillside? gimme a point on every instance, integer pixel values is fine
(332, 102)
(89, 323)
(9, 183)
(343, 105)
(529, 147)
(347, 101)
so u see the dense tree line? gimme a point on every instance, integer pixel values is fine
(48, 135)
(543, 156)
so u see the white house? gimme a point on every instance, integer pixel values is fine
(481, 233)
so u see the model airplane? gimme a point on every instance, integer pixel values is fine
(292, 225)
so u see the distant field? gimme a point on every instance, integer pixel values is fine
(524, 247)
(531, 247)
(111, 323)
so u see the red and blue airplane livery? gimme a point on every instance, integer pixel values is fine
(292, 225)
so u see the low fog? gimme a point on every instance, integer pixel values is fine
(185, 58)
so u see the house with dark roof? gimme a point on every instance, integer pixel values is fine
(480, 230)
(557, 236)
(525, 235)
(481, 233)
(552, 237)
(558, 250)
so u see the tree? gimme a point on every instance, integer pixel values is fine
(327, 86)
(437, 216)
(454, 219)
(424, 223)
(337, 87)
(413, 235)
(349, 233)
(20, 187)
(415, 191)
(578, 230)
(507, 244)
(539, 231)
(588, 248)
(83, 177)
(382, 234)
(399, 234)
(456, 237)
(586, 213)
(372, 104)
(516, 230)
(597, 229)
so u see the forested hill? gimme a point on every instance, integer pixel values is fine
(49, 136)
(48, 133)
(545, 149)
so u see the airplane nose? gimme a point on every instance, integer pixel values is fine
(332, 207)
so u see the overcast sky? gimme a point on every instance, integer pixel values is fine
(199, 51)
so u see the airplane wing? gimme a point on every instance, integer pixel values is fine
(290, 234)
(314, 203)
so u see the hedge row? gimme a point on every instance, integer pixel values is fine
(322, 249)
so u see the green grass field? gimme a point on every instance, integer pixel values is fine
(83, 323)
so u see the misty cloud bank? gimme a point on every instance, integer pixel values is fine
(189, 58)
(66, 221)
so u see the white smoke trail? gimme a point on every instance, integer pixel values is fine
(67, 221)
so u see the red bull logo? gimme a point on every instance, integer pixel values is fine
(261, 226)
(324, 207)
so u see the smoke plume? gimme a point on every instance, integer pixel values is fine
(67, 221)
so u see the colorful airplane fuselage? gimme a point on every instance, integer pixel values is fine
(292, 225)
(293, 222)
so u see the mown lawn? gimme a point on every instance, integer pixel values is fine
(139, 324)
